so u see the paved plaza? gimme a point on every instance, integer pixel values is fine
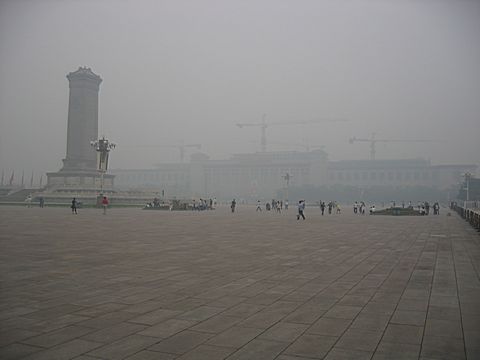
(145, 285)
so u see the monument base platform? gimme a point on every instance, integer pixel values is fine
(79, 180)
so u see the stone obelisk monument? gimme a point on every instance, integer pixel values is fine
(79, 169)
(82, 120)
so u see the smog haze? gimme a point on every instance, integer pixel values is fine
(187, 71)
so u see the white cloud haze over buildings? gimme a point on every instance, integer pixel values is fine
(188, 71)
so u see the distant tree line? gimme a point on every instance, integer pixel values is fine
(373, 194)
(473, 190)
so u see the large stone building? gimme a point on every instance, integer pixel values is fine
(245, 176)
(262, 175)
(396, 173)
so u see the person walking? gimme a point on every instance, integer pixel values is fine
(28, 201)
(233, 205)
(259, 206)
(301, 208)
(322, 207)
(105, 205)
(74, 206)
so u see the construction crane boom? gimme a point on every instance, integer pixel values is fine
(264, 124)
(373, 141)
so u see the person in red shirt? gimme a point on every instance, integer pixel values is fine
(105, 205)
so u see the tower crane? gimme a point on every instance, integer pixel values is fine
(373, 141)
(264, 124)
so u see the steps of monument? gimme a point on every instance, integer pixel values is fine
(19, 195)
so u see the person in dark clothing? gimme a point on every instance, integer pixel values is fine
(74, 206)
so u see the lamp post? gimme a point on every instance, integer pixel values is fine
(102, 147)
(287, 177)
(467, 183)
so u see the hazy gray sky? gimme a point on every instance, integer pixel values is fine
(189, 70)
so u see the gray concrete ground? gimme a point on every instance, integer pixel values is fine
(214, 285)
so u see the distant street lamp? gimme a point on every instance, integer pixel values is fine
(467, 183)
(287, 178)
(102, 147)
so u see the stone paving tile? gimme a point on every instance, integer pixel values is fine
(66, 350)
(235, 337)
(265, 298)
(143, 307)
(342, 354)
(226, 301)
(217, 324)
(185, 305)
(259, 349)
(243, 310)
(452, 329)
(444, 301)
(413, 305)
(102, 309)
(14, 335)
(404, 317)
(17, 351)
(359, 339)
(124, 347)
(343, 312)
(181, 343)
(207, 352)
(444, 313)
(54, 312)
(107, 320)
(153, 317)
(354, 300)
(307, 313)
(333, 293)
(388, 350)
(262, 320)
(329, 326)
(372, 322)
(167, 328)
(404, 334)
(443, 348)
(48, 325)
(151, 355)
(311, 346)
(57, 337)
(114, 333)
(282, 307)
(201, 313)
(284, 332)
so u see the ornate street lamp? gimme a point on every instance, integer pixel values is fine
(287, 178)
(102, 147)
(467, 176)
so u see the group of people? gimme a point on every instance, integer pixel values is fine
(103, 200)
(275, 205)
(424, 208)
(330, 206)
(360, 207)
(204, 204)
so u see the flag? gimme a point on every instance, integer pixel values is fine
(11, 178)
(31, 181)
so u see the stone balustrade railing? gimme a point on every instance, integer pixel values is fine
(472, 215)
